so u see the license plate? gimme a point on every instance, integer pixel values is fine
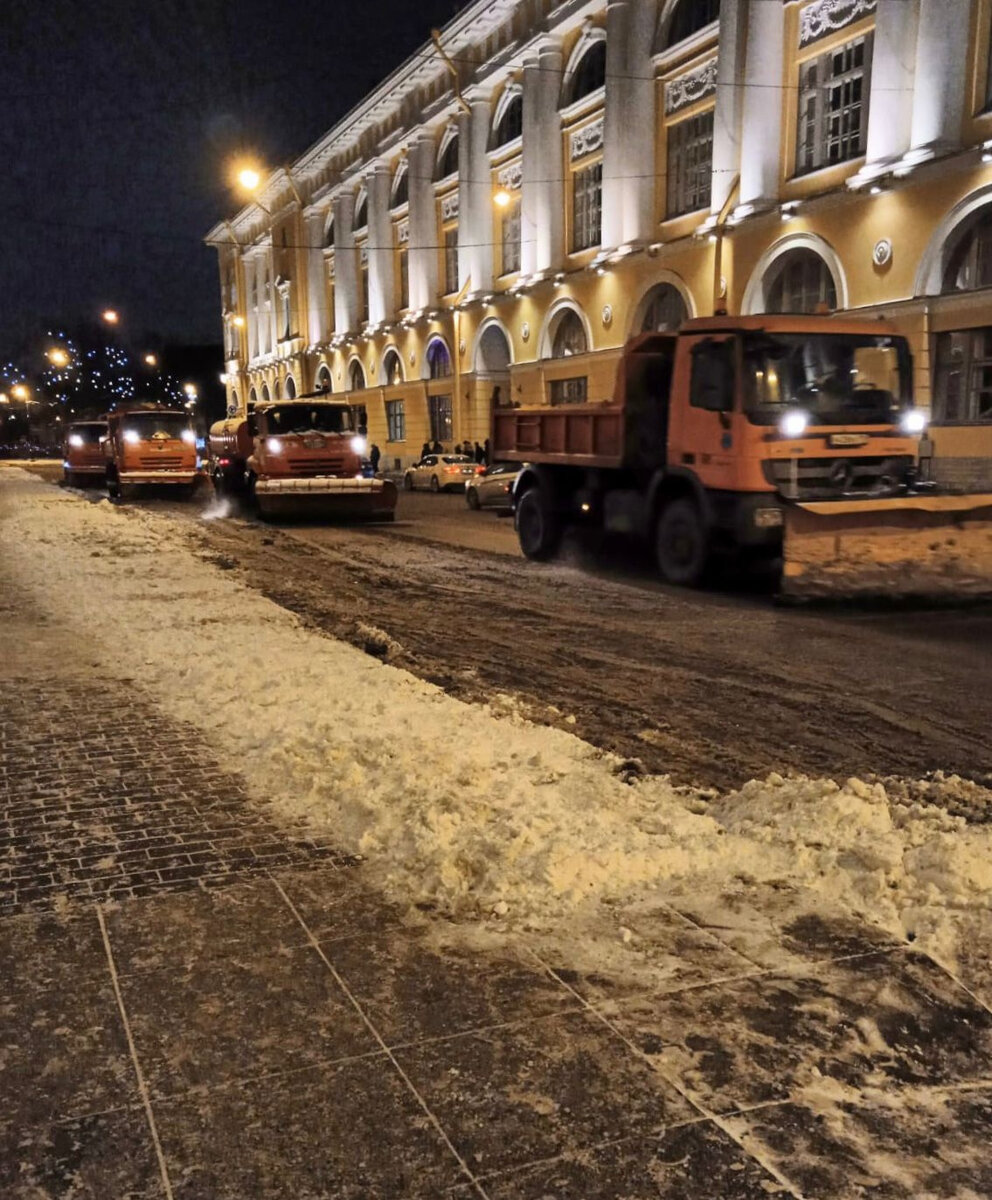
(767, 518)
(313, 443)
(848, 439)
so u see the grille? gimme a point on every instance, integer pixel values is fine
(304, 467)
(161, 461)
(823, 478)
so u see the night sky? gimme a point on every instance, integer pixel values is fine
(117, 119)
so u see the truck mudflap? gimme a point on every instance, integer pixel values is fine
(914, 546)
(326, 495)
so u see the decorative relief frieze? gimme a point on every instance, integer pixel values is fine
(449, 207)
(826, 16)
(585, 140)
(510, 177)
(403, 232)
(692, 86)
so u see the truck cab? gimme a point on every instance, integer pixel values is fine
(150, 446)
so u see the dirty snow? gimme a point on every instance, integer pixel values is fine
(470, 808)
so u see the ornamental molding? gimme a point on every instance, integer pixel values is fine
(510, 177)
(363, 255)
(585, 140)
(449, 207)
(827, 16)
(403, 232)
(692, 86)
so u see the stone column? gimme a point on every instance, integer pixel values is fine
(730, 72)
(475, 212)
(382, 295)
(617, 124)
(542, 199)
(761, 114)
(941, 77)
(345, 266)
(251, 304)
(423, 253)
(890, 106)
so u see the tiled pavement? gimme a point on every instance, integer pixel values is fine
(195, 1003)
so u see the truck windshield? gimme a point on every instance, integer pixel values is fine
(836, 378)
(307, 418)
(88, 434)
(149, 425)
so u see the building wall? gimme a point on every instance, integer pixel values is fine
(721, 124)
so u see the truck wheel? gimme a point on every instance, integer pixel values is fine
(408, 482)
(435, 486)
(113, 484)
(538, 526)
(681, 543)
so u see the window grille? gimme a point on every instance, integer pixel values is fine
(690, 164)
(569, 391)
(802, 283)
(395, 421)
(447, 164)
(590, 73)
(970, 265)
(665, 310)
(401, 189)
(392, 368)
(587, 207)
(689, 17)
(570, 336)
(438, 360)
(511, 123)
(356, 377)
(440, 417)
(963, 385)
(833, 106)
(510, 237)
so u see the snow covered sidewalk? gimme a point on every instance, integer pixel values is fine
(644, 990)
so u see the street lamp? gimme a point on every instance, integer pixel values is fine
(150, 360)
(110, 316)
(20, 391)
(502, 198)
(58, 357)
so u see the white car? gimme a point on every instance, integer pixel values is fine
(441, 472)
(493, 488)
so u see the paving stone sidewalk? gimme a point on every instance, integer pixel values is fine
(198, 1003)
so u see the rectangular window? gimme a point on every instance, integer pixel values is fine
(439, 410)
(364, 285)
(833, 106)
(395, 421)
(570, 391)
(404, 279)
(287, 314)
(510, 238)
(690, 164)
(451, 260)
(587, 207)
(963, 384)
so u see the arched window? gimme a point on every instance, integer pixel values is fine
(323, 381)
(277, 390)
(392, 368)
(589, 73)
(438, 360)
(511, 122)
(688, 18)
(570, 336)
(447, 163)
(799, 283)
(290, 388)
(356, 377)
(361, 212)
(664, 310)
(265, 393)
(252, 398)
(235, 404)
(401, 188)
(329, 235)
(969, 266)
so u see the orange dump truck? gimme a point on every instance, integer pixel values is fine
(150, 446)
(787, 436)
(299, 456)
(82, 453)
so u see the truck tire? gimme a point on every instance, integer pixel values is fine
(113, 484)
(538, 526)
(681, 543)
(408, 482)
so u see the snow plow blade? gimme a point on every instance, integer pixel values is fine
(919, 547)
(327, 497)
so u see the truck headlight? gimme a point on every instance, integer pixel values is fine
(189, 437)
(273, 445)
(358, 445)
(132, 436)
(794, 423)
(75, 439)
(913, 420)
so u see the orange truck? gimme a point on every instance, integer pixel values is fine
(786, 436)
(82, 453)
(300, 456)
(150, 446)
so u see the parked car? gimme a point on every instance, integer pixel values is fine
(440, 472)
(492, 487)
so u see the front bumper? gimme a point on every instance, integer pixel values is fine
(97, 468)
(183, 475)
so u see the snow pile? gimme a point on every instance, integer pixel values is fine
(469, 808)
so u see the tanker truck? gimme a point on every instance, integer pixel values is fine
(298, 457)
(790, 437)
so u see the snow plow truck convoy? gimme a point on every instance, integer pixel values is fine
(776, 435)
(299, 456)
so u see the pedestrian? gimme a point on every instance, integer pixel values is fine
(374, 455)
(480, 454)
(495, 399)
(425, 449)
(436, 447)
(487, 453)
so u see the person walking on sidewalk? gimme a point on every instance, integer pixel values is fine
(374, 455)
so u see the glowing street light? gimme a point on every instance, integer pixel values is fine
(57, 357)
(502, 198)
(111, 316)
(190, 390)
(20, 391)
(249, 178)
(238, 321)
(150, 360)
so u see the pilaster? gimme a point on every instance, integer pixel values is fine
(543, 189)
